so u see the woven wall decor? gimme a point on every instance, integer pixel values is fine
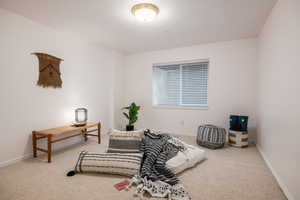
(49, 72)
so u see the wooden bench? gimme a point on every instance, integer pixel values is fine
(59, 131)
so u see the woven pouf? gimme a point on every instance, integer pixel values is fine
(211, 136)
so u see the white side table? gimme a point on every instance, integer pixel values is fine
(238, 138)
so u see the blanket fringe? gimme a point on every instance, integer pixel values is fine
(157, 189)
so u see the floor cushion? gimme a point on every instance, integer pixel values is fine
(211, 136)
(185, 159)
(127, 164)
(125, 141)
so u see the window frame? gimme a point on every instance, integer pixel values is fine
(182, 106)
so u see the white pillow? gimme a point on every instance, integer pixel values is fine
(125, 141)
(186, 159)
(127, 164)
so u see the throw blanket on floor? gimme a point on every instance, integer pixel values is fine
(155, 178)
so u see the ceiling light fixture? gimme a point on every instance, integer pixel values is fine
(145, 12)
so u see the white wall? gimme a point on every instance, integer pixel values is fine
(232, 86)
(118, 93)
(87, 74)
(279, 94)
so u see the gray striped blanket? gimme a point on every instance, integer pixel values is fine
(157, 151)
(155, 177)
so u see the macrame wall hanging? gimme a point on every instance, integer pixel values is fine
(49, 72)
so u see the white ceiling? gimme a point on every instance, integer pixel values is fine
(180, 22)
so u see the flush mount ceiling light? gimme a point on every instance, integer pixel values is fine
(145, 12)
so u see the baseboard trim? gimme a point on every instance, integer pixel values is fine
(13, 161)
(29, 155)
(283, 187)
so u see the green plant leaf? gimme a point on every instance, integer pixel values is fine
(132, 113)
(126, 115)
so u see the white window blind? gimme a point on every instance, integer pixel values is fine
(181, 85)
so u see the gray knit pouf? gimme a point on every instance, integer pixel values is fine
(211, 136)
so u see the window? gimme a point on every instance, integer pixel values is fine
(181, 85)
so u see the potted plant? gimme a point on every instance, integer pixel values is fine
(132, 117)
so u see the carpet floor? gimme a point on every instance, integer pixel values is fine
(226, 174)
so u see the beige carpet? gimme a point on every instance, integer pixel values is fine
(227, 174)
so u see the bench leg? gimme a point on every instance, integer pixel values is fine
(85, 135)
(34, 151)
(49, 148)
(99, 133)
